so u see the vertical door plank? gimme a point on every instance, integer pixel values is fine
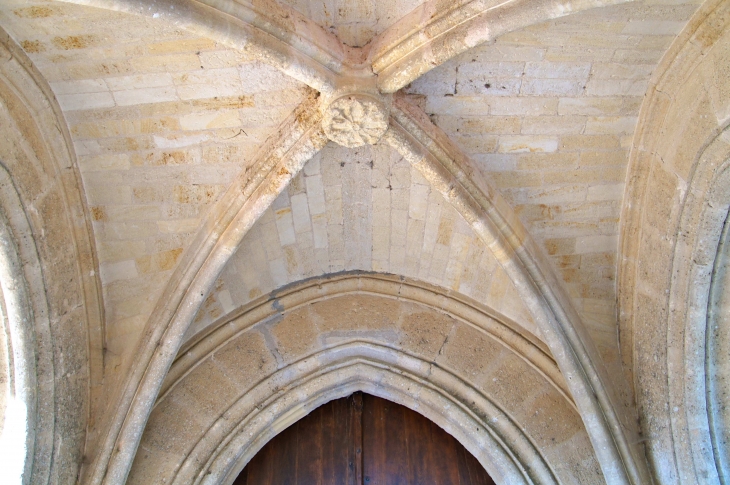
(356, 408)
(284, 469)
(309, 448)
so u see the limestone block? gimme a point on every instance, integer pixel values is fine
(85, 101)
(551, 87)
(530, 144)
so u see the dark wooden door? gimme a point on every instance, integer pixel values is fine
(363, 440)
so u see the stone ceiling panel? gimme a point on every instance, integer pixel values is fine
(362, 209)
(161, 122)
(548, 114)
(355, 22)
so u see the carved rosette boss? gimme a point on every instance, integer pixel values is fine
(355, 120)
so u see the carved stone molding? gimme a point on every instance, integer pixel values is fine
(355, 120)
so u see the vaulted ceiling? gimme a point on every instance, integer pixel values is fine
(479, 147)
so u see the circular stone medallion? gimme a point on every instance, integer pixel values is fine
(355, 120)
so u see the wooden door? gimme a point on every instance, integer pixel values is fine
(363, 440)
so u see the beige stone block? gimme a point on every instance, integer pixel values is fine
(183, 226)
(616, 87)
(542, 161)
(315, 195)
(558, 70)
(279, 273)
(616, 158)
(579, 52)
(162, 261)
(655, 42)
(259, 77)
(109, 194)
(596, 244)
(438, 82)
(586, 175)
(610, 125)
(634, 56)
(381, 243)
(653, 27)
(166, 63)
(179, 140)
(477, 143)
(621, 71)
(527, 144)
(459, 105)
(128, 230)
(605, 192)
(300, 213)
(506, 53)
(489, 86)
(196, 194)
(495, 162)
(285, 226)
(179, 46)
(478, 125)
(552, 125)
(83, 69)
(603, 106)
(552, 87)
(104, 162)
(124, 332)
(145, 96)
(534, 36)
(140, 81)
(190, 156)
(533, 106)
(79, 86)
(399, 226)
(506, 180)
(114, 251)
(219, 59)
(414, 238)
(319, 231)
(147, 195)
(130, 212)
(121, 270)
(418, 202)
(589, 142)
(85, 101)
(560, 246)
(549, 195)
(208, 83)
(207, 121)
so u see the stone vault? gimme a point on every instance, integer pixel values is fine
(508, 216)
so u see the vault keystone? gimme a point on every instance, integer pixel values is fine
(355, 120)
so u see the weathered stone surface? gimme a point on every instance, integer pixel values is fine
(355, 120)
(158, 154)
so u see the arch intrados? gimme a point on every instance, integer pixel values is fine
(501, 447)
(25, 311)
(701, 223)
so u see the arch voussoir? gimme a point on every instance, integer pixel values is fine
(289, 352)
